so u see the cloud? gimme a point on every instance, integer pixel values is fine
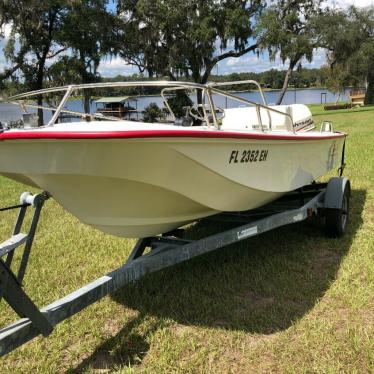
(116, 66)
(347, 3)
(257, 64)
(6, 29)
(3, 62)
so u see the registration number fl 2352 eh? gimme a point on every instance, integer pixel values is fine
(254, 155)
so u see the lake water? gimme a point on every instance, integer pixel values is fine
(10, 112)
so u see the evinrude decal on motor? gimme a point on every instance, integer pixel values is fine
(247, 156)
(305, 125)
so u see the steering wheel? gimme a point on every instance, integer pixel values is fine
(194, 111)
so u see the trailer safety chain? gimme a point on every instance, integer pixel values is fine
(14, 207)
(342, 165)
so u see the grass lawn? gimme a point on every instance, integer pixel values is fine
(290, 300)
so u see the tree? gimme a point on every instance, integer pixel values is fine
(152, 112)
(178, 102)
(34, 30)
(63, 72)
(348, 35)
(337, 79)
(185, 37)
(273, 78)
(88, 31)
(285, 28)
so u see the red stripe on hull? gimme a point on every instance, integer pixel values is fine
(158, 134)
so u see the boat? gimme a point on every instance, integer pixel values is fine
(357, 97)
(117, 106)
(137, 179)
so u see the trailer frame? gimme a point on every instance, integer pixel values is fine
(166, 250)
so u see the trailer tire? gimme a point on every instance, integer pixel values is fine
(337, 219)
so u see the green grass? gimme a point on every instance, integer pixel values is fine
(290, 300)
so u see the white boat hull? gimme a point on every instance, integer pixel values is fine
(138, 187)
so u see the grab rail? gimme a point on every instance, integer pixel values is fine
(207, 90)
(68, 111)
(257, 105)
(249, 81)
(183, 88)
(237, 83)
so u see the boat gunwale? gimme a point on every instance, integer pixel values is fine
(142, 134)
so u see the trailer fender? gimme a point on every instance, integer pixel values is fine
(335, 191)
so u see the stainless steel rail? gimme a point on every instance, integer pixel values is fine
(255, 83)
(208, 90)
(257, 105)
(237, 83)
(170, 89)
(109, 85)
(68, 111)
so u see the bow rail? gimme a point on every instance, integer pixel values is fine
(207, 92)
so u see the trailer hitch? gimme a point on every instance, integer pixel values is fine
(10, 282)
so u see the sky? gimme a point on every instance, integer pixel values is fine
(110, 67)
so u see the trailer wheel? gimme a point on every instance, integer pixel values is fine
(337, 219)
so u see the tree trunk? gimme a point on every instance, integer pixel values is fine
(202, 79)
(199, 97)
(40, 111)
(39, 86)
(285, 83)
(369, 97)
(86, 103)
(85, 79)
(197, 79)
(338, 98)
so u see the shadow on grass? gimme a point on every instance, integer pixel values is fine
(128, 347)
(261, 285)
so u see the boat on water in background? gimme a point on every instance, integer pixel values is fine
(357, 97)
(117, 106)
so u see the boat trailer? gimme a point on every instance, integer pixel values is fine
(329, 200)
